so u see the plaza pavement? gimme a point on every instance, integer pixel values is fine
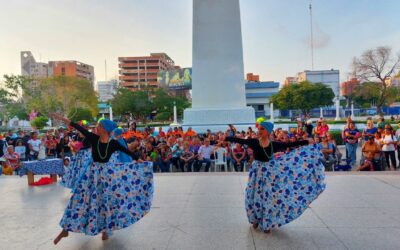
(206, 211)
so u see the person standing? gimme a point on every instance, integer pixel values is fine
(280, 189)
(351, 138)
(34, 146)
(110, 195)
(388, 143)
(397, 134)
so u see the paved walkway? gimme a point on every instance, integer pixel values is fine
(206, 211)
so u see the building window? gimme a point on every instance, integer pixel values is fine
(63, 71)
(260, 107)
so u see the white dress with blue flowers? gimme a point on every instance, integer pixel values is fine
(280, 190)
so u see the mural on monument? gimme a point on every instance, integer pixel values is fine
(175, 79)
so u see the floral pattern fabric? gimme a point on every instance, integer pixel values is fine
(75, 168)
(109, 196)
(50, 166)
(280, 190)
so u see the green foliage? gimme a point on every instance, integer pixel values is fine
(143, 103)
(47, 95)
(337, 135)
(78, 114)
(16, 109)
(137, 103)
(65, 93)
(303, 96)
(165, 116)
(39, 122)
(370, 92)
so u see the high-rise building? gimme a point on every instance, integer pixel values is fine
(348, 87)
(327, 77)
(258, 95)
(106, 90)
(290, 80)
(72, 68)
(31, 68)
(250, 77)
(139, 72)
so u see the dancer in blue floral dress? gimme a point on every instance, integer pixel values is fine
(280, 190)
(109, 195)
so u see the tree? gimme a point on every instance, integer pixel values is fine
(14, 102)
(164, 104)
(143, 103)
(137, 103)
(378, 65)
(368, 93)
(303, 96)
(57, 93)
(66, 93)
(39, 122)
(78, 114)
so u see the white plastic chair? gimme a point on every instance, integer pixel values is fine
(220, 159)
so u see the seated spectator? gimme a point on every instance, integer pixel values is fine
(238, 157)
(204, 156)
(338, 155)
(327, 150)
(6, 169)
(176, 150)
(371, 151)
(164, 158)
(186, 158)
(13, 159)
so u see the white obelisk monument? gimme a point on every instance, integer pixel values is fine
(218, 84)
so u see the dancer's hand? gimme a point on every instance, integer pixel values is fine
(60, 117)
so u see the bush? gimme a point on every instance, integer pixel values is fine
(337, 135)
(165, 116)
(39, 122)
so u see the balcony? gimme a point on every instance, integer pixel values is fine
(132, 78)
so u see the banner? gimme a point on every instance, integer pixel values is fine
(175, 79)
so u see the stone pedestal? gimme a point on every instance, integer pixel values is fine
(218, 86)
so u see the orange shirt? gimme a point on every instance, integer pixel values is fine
(190, 133)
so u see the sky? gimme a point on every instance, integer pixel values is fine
(276, 33)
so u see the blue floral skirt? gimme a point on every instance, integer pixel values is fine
(75, 168)
(110, 196)
(280, 190)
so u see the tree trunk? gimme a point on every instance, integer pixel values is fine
(379, 110)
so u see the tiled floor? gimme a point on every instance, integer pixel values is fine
(206, 211)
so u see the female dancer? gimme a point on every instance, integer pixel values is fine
(110, 196)
(280, 190)
(75, 169)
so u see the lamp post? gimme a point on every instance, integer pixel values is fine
(271, 111)
(175, 123)
(337, 118)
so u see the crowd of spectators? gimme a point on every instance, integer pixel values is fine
(188, 151)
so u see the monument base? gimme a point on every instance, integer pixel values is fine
(218, 116)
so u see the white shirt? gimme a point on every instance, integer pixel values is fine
(388, 139)
(35, 145)
(205, 152)
(21, 151)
